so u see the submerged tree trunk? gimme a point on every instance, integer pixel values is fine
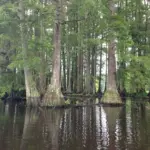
(53, 95)
(111, 94)
(32, 94)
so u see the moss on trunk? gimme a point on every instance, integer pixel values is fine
(53, 97)
(32, 95)
(111, 97)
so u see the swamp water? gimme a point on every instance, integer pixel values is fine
(84, 128)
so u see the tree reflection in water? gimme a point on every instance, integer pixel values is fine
(42, 128)
(82, 128)
(102, 131)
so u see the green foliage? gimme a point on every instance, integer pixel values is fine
(85, 24)
(39, 20)
(9, 81)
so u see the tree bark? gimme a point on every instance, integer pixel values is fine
(74, 73)
(53, 95)
(93, 69)
(64, 69)
(100, 73)
(68, 72)
(88, 87)
(111, 94)
(32, 95)
(42, 71)
(80, 72)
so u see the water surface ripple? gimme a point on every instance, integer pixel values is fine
(85, 128)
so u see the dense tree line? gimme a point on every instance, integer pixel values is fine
(50, 47)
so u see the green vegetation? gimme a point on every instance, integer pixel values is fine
(73, 46)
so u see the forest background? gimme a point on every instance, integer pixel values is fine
(50, 47)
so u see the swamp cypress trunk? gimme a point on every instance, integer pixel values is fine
(111, 94)
(106, 72)
(74, 73)
(100, 73)
(32, 94)
(53, 95)
(68, 72)
(93, 70)
(80, 72)
(64, 69)
(88, 87)
(121, 78)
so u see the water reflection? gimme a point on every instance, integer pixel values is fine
(42, 128)
(84, 128)
(11, 126)
(102, 130)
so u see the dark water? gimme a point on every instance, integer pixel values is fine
(86, 128)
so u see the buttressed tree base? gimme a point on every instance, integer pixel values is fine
(111, 97)
(53, 97)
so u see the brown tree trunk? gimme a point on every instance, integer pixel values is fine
(106, 72)
(64, 69)
(53, 95)
(93, 69)
(80, 72)
(32, 95)
(88, 87)
(111, 78)
(68, 72)
(100, 73)
(111, 94)
(74, 73)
